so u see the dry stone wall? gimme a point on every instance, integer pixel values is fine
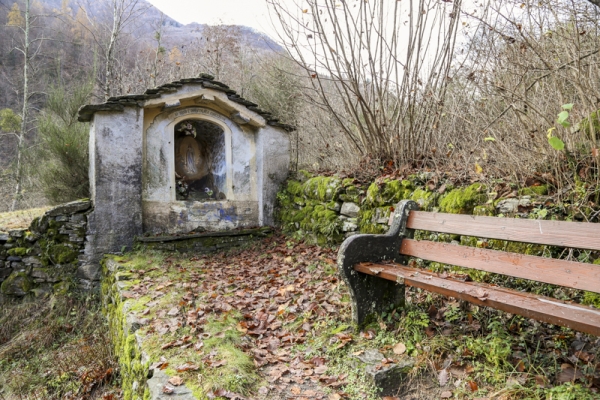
(44, 258)
(329, 209)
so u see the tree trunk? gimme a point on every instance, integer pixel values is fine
(23, 130)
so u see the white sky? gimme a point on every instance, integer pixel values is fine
(252, 13)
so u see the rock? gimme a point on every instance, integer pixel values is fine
(370, 356)
(42, 291)
(18, 233)
(509, 206)
(159, 380)
(78, 219)
(5, 273)
(350, 209)
(61, 288)
(70, 208)
(387, 377)
(14, 258)
(336, 206)
(3, 237)
(89, 272)
(47, 274)
(17, 284)
(350, 225)
(32, 261)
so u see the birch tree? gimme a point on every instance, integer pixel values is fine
(23, 22)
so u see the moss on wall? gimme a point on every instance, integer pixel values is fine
(463, 200)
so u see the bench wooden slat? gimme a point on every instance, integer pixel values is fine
(553, 233)
(578, 317)
(548, 270)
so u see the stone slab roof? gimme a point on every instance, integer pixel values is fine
(118, 103)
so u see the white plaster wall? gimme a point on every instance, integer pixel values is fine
(273, 160)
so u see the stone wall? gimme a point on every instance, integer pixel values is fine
(329, 209)
(45, 258)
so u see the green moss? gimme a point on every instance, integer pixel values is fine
(462, 201)
(425, 199)
(303, 175)
(61, 288)
(18, 283)
(366, 224)
(540, 190)
(322, 188)
(294, 188)
(485, 210)
(18, 251)
(59, 254)
(347, 182)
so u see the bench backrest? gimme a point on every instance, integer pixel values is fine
(565, 273)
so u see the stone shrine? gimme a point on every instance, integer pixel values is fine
(187, 156)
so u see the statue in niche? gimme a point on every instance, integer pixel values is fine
(197, 145)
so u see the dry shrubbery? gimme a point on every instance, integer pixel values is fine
(55, 349)
(514, 65)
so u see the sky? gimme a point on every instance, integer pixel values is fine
(252, 13)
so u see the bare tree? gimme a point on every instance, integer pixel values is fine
(386, 63)
(29, 48)
(108, 33)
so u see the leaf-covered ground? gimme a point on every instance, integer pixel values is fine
(272, 321)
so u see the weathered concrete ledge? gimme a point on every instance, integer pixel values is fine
(204, 242)
(139, 380)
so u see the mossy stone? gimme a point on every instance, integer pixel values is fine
(294, 188)
(462, 201)
(323, 188)
(540, 190)
(17, 284)
(485, 210)
(18, 251)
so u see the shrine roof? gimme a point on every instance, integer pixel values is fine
(118, 103)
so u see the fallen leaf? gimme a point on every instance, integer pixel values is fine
(446, 394)
(168, 389)
(568, 374)
(399, 348)
(187, 367)
(176, 381)
(321, 370)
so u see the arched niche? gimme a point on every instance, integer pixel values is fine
(173, 156)
(200, 161)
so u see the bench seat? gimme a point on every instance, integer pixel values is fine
(546, 309)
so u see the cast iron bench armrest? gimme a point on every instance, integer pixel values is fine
(373, 295)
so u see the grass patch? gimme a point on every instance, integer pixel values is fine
(20, 219)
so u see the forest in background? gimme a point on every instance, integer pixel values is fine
(505, 90)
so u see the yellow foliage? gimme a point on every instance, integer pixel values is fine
(175, 55)
(14, 17)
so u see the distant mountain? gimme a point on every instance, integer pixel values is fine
(174, 33)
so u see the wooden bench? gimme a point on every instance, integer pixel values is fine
(375, 266)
